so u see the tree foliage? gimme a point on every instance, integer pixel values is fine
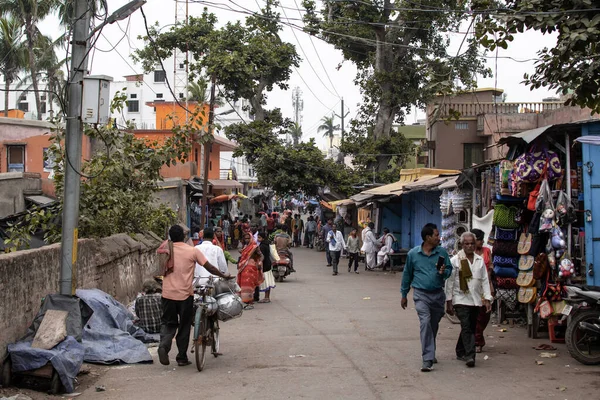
(119, 182)
(246, 58)
(400, 50)
(295, 132)
(572, 66)
(328, 128)
(298, 168)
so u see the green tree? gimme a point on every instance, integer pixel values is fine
(400, 50)
(328, 128)
(572, 66)
(14, 54)
(298, 168)
(296, 132)
(246, 59)
(119, 185)
(29, 13)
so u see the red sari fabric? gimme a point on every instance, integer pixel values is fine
(220, 243)
(248, 276)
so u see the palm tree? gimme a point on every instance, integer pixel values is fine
(14, 54)
(296, 132)
(29, 13)
(328, 128)
(199, 91)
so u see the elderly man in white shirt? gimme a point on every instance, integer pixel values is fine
(214, 254)
(466, 290)
(336, 242)
(370, 246)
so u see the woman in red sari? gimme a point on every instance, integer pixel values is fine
(249, 274)
(219, 239)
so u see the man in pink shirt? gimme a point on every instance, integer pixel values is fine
(178, 297)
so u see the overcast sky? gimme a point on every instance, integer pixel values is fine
(320, 95)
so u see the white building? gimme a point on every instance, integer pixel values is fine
(24, 100)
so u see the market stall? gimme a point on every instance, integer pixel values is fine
(531, 207)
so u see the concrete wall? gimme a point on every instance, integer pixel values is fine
(117, 265)
(13, 185)
(449, 143)
(173, 194)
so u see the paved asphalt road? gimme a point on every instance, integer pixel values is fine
(346, 337)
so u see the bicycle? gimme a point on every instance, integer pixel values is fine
(206, 325)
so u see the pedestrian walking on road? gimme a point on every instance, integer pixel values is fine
(483, 319)
(249, 273)
(386, 249)
(336, 245)
(311, 229)
(353, 250)
(325, 231)
(427, 267)
(370, 246)
(178, 296)
(269, 281)
(467, 285)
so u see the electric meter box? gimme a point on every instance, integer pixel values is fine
(95, 104)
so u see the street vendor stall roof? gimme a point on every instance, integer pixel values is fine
(525, 136)
(225, 184)
(339, 203)
(436, 183)
(408, 176)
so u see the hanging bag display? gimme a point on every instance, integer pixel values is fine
(533, 196)
(504, 216)
(530, 166)
(526, 263)
(505, 248)
(525, 279)
(540, 265)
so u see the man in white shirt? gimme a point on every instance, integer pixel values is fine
(214, 254)
(467, 286)
(370, 246)
(386, 249)
(336, 245)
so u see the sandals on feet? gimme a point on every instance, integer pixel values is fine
(264, 301)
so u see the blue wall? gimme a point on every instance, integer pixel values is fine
(407, 217)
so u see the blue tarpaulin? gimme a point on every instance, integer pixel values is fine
(110, 336)
(66, 358)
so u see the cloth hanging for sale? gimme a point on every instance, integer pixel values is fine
(484, 223)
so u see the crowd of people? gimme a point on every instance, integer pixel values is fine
(459, 286)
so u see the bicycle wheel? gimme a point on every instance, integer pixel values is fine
(215, 338)
(200, 331)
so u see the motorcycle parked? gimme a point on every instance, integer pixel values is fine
(583, 326)
(282, 267)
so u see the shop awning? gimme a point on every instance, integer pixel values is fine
(325, 204)
(592, 139)
(525, 136)
(339, 203)
(437, 183)
(222, 198)
(225, 184)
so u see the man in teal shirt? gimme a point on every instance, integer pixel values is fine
(426, 275)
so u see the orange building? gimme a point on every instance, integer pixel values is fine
(168, 115)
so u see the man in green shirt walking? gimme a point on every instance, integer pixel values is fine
(426, 270)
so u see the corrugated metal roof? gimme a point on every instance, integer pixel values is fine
(40, 200)
(437, 183)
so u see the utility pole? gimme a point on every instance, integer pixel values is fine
(298, 105)
(207, 147)
(73, 140)
(341, 117)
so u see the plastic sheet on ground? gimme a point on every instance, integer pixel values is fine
(66, 358)
(110, 336)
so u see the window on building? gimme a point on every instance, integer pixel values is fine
(16, 158)
(181, 95)
(133, 106)
(43, 97)
(159, 95)
(181, 65)
(473, 154)
(43, 107)
(23, 96)
(133, 96)
(461, 126)
(24, 107)
(160, 76)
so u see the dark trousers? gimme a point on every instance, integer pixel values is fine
(465, 346)
(430, 309)
(335, 260)
(177, 317)
(483, 319)
(353, 259)
(327, 253)
(311, 238)
(257, 293)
